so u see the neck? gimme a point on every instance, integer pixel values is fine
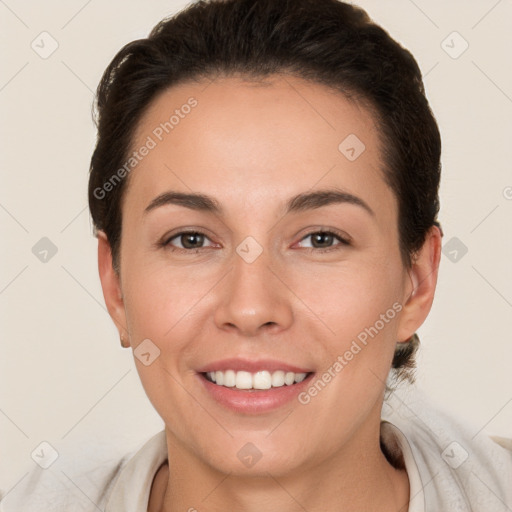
(354, 479)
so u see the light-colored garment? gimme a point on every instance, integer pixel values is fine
(451, 468)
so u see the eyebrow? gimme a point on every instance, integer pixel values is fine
(299, 203)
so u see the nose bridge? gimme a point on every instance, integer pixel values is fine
(253, 297)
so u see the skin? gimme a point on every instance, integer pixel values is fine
(252, 146)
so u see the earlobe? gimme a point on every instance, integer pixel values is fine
(423, 277)
(111, 285)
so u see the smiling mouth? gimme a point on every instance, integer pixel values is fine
(262, 380)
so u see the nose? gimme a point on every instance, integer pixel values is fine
(254, 299)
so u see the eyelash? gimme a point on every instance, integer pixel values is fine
(343, 241)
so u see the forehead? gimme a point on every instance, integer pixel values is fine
(235, 138)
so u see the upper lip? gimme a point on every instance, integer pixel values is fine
(251, 365)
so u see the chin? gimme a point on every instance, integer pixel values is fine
(255, 464)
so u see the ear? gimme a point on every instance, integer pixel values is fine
(111, 285)
(423, 281)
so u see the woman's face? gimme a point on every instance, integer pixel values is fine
(259, 287)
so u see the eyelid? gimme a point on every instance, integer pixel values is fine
(167, 238)
(343, 238)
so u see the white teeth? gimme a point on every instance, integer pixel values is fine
(262, 380)
(229, 379)
(259, 380)
(289, 378)
(243, 380)
(299, 377)
(278, 379)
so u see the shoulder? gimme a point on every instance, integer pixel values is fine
(83, 483)
(461, 467)
(64, 486)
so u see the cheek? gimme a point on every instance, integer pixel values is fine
(159, 297)
(349, 299)
(361, 309)
(161, 305)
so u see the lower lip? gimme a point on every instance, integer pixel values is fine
(253, 401)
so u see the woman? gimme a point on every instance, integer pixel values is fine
(264, 190)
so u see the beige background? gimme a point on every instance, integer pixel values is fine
(64, 377)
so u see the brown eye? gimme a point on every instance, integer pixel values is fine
(186, 240)
(323, 240)
(191, 240)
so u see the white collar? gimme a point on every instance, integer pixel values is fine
(390, 433)
(131, 490)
